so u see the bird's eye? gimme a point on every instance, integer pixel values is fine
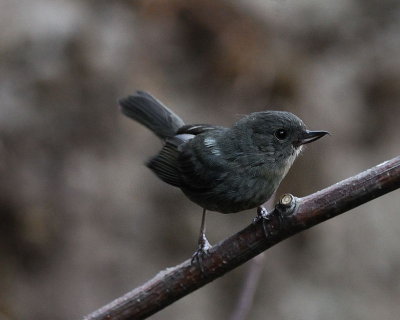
(281, 134)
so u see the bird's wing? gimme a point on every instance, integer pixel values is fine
(180, 166)
(203, 165)
(165, 164)
(196, 129)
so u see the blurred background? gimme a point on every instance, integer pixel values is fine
(82, 220)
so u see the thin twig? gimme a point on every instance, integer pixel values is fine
(250, 285)
(290, 216)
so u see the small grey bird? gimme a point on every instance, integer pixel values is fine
(221, 169)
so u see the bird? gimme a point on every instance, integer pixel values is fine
(221, 169)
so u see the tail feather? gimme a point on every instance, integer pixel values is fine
(151, 113)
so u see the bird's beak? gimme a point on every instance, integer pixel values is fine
(310, 136)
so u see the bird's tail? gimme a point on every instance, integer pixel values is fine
(151, 113)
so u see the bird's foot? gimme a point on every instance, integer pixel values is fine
(265, 217)
(201, 252)
(262, 213)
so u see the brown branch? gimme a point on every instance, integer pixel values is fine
(290, 216)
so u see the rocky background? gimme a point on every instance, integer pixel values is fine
(82, 221)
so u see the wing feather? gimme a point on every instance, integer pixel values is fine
(196, 129)
(165, 164)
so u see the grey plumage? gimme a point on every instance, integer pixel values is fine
(151, 113)
(222, 169)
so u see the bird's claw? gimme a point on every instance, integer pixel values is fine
(264, 216)
(262, 213)
(198, 256)
(201, 252)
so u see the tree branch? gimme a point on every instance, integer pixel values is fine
(291, 215)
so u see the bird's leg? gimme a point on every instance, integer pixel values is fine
(203, 244)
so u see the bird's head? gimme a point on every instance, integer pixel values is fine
(276, 135)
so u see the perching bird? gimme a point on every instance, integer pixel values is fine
(221, 169)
